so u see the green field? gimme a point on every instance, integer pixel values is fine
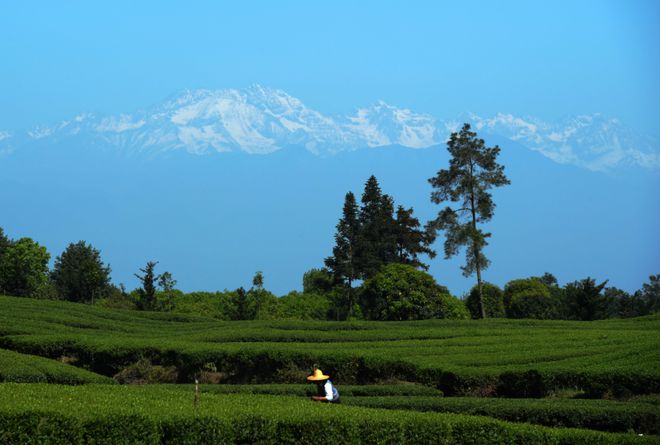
(511, 357)
(400, 381)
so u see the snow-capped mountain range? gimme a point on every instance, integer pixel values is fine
(260, 120)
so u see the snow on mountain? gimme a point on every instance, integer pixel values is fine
(590, 141)
(384, 124)
(260, 120)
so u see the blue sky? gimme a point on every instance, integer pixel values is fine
(549, 59)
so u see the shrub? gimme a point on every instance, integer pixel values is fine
(302, 306)
(401, 292)
(452, 308)
(493, 301)
(530, 298)
(143, 371)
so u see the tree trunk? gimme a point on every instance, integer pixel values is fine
(350, 298)
(477, 252)
(481, 294)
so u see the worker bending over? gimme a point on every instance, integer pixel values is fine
(325, 390)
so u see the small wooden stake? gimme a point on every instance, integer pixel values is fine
(196, 399)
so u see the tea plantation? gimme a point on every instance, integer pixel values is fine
(436, 381)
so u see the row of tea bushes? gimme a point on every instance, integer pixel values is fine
(601, 415)
(22, 368)
(306, 390)
(639, 415)
(512, 358)
(273, 362)
(110, 414)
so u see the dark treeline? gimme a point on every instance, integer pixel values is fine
(375, 271)
(398, 290)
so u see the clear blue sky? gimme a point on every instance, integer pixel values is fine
(549, 59)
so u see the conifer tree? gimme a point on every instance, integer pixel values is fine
(5, 242)
(473, 170)
(376, 244)
(342, 263)
(411, 240)
(148, 291)
(79, 273)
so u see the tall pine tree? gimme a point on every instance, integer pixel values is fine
(376, 244)
(342, 263)
(473, 170)
(411, 240)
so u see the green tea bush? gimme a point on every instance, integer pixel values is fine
(307, 390)
(591, 414)
(31, 414)
(610, 359)
(22, 368)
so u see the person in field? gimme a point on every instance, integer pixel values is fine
(325, 390)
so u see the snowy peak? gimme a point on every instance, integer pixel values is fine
(384, 124)
(590, 141)
(261, 120)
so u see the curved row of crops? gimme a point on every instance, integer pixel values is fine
(33, 413)
(15, 367)
(505, 357)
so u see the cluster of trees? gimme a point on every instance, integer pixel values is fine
(78, 274)
(543, 298)
(370, 237)
(397, 291)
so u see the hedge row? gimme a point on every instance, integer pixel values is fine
(309, 389)
(591, 414)
(514, 358)
(22, 368)
(268, 363)
(641, 416)
(31, 414)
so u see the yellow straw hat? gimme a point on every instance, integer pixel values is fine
(318, 375)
